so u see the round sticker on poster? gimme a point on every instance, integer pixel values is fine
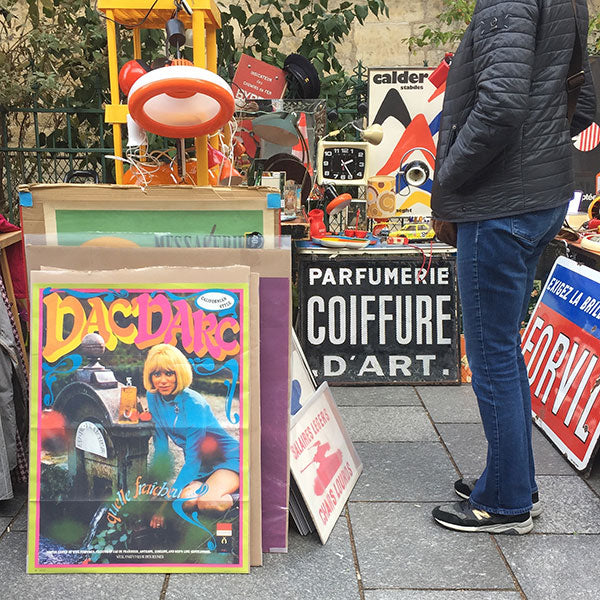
(588, 139)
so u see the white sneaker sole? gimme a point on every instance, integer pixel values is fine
(507, 528)
(536, 509)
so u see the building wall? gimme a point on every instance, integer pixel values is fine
(379, 43)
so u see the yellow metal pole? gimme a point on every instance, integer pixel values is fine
(211, 62)
(137, 54)
(211, 48)
(113, 73)
(137, 43)
(199, 56)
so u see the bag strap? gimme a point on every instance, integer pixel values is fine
(576, 75)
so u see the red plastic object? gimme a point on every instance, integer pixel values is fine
(338, 204)
(317, 226)
(440, 73)
(358, 233)
(130, 72)
(593, 224)
(401, 241)
(145, 416)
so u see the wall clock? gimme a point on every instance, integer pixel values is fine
(342, 162)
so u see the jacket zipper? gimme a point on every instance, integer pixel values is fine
(452, 139)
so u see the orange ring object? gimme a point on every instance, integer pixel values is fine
(181, 102)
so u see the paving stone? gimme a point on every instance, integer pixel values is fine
(399, 395)
(20, 522)
(450, 404)
(440, 595)
(569, 506)
(554, 567)
(308, 571)
(388, 424)
(594, 477)
(4, 521)
(548, 460)
(400, 546)
(9, 508)
(405, 471)
(82, 586)
(467, 444)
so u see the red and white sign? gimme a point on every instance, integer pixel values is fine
(257, 79)
(561, 346)
(588, 139)
(323, 460)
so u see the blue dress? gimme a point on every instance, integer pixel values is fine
(189, 421)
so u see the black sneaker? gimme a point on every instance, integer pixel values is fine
(464, 487)
(461, 516)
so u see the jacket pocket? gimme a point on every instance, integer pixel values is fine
(451, 138)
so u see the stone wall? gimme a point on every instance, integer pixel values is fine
(379, 42)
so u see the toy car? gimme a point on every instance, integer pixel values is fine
(414, 231)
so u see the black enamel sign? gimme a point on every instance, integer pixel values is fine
(379, 319)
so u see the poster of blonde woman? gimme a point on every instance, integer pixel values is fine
(139, 455)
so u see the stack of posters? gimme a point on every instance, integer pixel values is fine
(55, 213)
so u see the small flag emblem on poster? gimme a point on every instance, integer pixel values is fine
(224, 535)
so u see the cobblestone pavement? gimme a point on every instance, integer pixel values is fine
(414, 442)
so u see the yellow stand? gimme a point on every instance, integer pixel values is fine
(147, 14)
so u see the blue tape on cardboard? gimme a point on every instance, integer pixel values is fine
(25, 199)
(273, 200)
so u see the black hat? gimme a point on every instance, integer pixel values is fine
(302, 76)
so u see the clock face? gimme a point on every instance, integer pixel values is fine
(343, 163)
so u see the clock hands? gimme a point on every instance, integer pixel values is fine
(345, 164)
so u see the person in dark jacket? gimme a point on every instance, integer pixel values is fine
(504, 175)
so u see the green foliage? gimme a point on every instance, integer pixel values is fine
(449, 29)
(54, 50)
(594, 35)
(317, 27)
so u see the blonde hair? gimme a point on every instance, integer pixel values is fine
(167, 358)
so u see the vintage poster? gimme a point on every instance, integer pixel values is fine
(155, 217)
(139, 446)
(323, 461)
(408, 107)
(561, 349)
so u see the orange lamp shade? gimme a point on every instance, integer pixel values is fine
(181, 101)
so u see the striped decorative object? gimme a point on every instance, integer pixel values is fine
(588, 139)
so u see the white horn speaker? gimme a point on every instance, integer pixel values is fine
(416, 173)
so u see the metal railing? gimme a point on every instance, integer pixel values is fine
(43, 145)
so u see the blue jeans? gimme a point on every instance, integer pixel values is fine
(496, 265)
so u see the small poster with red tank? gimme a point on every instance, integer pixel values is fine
(323, 461)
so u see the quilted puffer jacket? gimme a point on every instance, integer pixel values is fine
(504, 146)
